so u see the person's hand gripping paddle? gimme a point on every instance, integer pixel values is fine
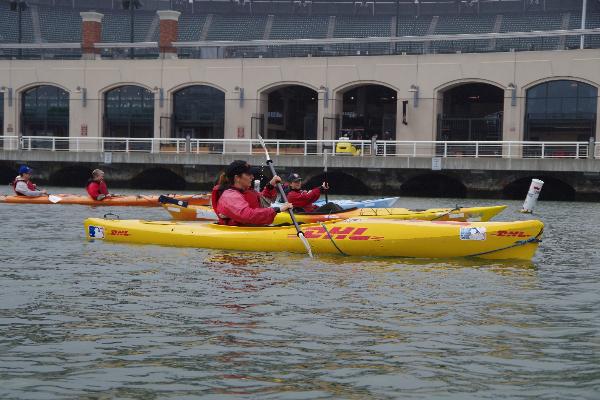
(285, 200)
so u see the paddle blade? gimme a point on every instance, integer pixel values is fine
(306, 244)
(170, 200)
(54, 199)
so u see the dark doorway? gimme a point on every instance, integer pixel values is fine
(292, 113)
(553, 189)
(367, 111)
(128, 113)
(158, 178)
(340, 183)
(199, 112)
(45, 112)
(71, 176)
(561, 110)
(471, 111)
(433, 185)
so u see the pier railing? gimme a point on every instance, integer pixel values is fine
(280, 147)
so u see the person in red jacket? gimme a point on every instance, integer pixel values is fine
(236, 204)
(301, 198)
(254, 198)
(96, 186)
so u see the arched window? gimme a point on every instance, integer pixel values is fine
(369, 110)
(561, 110)
(199, 111)
(45, 111)
(292, 113)
(129, 112)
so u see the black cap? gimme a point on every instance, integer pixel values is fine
(237, 167)
(294, 177)
(256, 171)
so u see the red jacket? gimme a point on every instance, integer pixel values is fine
(251, 195)
(95, 189)
(30, 185)
(303, 199)
(234, 209)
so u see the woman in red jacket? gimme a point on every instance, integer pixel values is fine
(96, 186)
(302, 198)
(236, 204)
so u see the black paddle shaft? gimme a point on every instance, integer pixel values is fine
(283, 196)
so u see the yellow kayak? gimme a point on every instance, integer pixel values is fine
(473, 214)
(356, 237)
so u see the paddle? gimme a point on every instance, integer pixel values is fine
(54, 199)
(326, 182)
(170, 200)
(284, 198)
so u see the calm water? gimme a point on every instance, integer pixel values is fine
(100, 320)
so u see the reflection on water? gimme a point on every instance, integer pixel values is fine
(100, 320)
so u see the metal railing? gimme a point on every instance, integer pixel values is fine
(282, 147)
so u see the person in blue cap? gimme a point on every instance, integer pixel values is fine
(23, 186)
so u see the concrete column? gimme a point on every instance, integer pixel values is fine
(168, 32)
(512, 124)
(91, 33)
(321, 111)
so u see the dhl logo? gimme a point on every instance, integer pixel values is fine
(337, 233)
(511, 233)
(116, 232)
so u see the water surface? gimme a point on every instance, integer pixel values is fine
(90, 320)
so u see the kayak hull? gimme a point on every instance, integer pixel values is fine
(357, 237)
(374, 203)
(117, 201)
(473, 214)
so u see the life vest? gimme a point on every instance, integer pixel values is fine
(251, 196)
(30, 185)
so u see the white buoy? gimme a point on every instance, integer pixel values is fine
(257, 185)
(532, 195)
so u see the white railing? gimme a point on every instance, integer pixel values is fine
(280, 147)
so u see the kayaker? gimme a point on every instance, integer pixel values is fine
(303, 199)
(96, 186)
(234, 201)
(23, 186)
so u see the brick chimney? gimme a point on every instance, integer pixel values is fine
(168, 32)
(91, 33)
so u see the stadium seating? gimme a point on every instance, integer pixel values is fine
(9, 27)
(297, 27)
(59, 25)
(455, 24)
(526, 23)
(68, 20)
(237, 27)
(190, 27)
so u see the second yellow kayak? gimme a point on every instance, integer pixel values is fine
(472, 214)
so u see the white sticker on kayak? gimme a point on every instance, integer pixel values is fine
(174, 209)
(472, 233)
(96, 232)
(457, 215)
(205, 214)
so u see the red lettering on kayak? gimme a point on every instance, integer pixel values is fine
(337, 233)
(511, 233)
(116, 232)
(341, 233)
(313, 232)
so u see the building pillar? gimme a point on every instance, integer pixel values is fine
(91, 33)
(168, 32)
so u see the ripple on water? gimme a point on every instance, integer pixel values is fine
(101, 320)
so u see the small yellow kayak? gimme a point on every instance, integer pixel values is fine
(357, 237)
(473, 214)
